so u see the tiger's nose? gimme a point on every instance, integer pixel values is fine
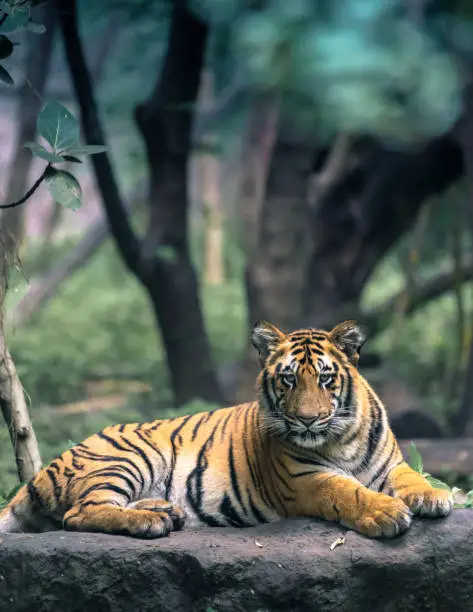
(307, 420)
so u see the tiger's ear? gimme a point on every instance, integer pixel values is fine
(265, 337)
(349, 338)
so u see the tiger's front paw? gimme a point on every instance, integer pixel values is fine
(427, 501)
(384, 517)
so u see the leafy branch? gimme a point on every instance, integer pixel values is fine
(60, 129)
(14, 15)
(30, 191)
(417, 464)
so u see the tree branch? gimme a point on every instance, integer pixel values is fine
(376, 319)
(335, 165)
(30, 191)
(44, 287)
(126, 240)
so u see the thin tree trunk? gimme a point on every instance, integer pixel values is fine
(209, 165)
(161, 262)
(17, 418)
(278, 243)
(165, 122)
(30, 97)
(12, 398)
(261, 134)
(276, 270)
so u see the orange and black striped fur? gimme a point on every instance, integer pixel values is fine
(316, 443)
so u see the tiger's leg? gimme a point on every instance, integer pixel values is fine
(343, 499)
(177, 515)
(105, 513)
(416, 492)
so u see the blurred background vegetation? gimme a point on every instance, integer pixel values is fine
(301, 162)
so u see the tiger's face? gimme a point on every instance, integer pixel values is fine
(306, 384)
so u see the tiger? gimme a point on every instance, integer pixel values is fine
(316, 443)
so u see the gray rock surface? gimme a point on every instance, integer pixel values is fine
(284, 566)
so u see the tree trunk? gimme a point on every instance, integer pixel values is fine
(276, 271)
(12, 398)
(362, 218)
(165, 121)
(209, 166)
(352, 226)
(257, 151)
(15, 412)
(277, 238)
(161, 262)
(39, 50)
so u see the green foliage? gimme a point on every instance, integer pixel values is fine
(61, 130)
(14, 16)
(64, 188)
(55, 123)
(6, 496)
(17, 15)
(424, 347)
(41, 152)
(416, 463)
(355, 65)
(415, 460)
(86, 150)
(58, 127)
(100, 324)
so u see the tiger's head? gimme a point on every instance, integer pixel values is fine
(306, 385)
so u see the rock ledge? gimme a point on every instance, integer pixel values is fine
(284, 566)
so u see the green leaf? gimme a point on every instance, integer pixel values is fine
(58, 126)
(437, 484)
(72, 159)
(5, 76)
(469, 500)
(6, 46)
(39, 151)
(64, 188)
(415, 460)
(6, 7)
(87, 150)
(17, 19)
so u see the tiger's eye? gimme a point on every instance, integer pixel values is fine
(325, 378)
(289, 379)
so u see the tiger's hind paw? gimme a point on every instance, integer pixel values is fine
(162, 506)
